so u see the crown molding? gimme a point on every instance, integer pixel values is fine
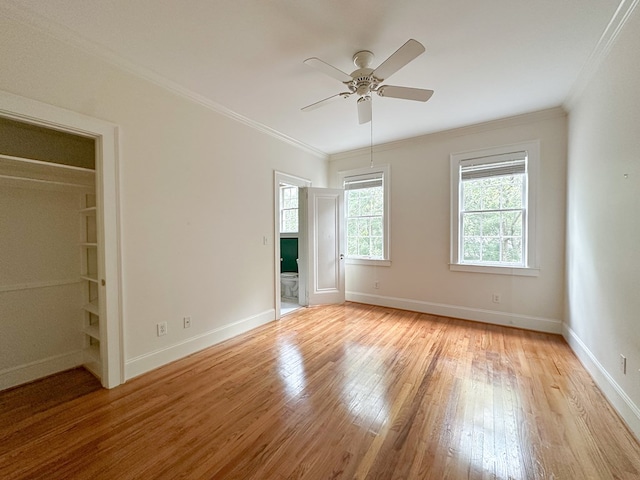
(523, 119)
(20, 14)
(601, 50)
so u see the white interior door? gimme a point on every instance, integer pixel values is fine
(321, 221)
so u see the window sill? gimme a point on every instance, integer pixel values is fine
(368, 261)
(493, 269)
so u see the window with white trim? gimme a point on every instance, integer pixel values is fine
(366, 213)
(288, 209)
(493, 209)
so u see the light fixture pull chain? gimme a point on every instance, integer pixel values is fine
(371, 131)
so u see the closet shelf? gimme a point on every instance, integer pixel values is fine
(88, 211)
(93, 331)
(89, 279)
(89, 244)
(91, 308)
(92, 353)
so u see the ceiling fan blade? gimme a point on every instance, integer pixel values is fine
(328, 69)
(407, 93)
(399, 59)
(321, 103)
(364, 110)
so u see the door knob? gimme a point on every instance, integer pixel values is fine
(342, 256)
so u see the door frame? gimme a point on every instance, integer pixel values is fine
(106, 139)
(278, 178)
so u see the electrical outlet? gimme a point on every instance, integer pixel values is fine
(623, 364)
(376, 284)
(162, 329)
(187, 322)
(495, 298)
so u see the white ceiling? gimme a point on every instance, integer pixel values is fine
(485, 59)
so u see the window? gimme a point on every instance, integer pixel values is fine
(366, 214)
(493, 214)
(288, 209)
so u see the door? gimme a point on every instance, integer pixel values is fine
(321, 232)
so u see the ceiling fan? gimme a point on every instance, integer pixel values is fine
(364, 80)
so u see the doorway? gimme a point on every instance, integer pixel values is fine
(105, 211)
(290, 274)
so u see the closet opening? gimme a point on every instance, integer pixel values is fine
(60, 276)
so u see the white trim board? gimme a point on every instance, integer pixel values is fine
(491, 125)
(32, 19)
(601, 50)
(29, 372)
(613, 392)
(547, 325)
(158, 358)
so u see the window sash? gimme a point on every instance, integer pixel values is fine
(286, 196)
(493, 166)
(377, 241)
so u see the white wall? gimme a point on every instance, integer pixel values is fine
(196, 196)
(603, 228)
(419, 277)
(40, 293)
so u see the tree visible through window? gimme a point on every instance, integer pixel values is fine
(493, 209)
(365, 209)
(492, 217)
(366, 197)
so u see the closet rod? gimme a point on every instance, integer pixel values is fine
(48, 182)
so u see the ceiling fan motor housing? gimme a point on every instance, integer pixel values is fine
(363, 82)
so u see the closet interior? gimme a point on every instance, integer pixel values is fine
(50, 251)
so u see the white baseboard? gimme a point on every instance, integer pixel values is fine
(149, 361)
(614, 393)
(527, 322)
(14, 376)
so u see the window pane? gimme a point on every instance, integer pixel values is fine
(471, 224)
(491, 224)
(471, 195)
(366, 202)
(512, 191)
(490, 193)
(289, 221)
(363, 246)
(352, 227)
(376, 247)
(376, 227)
(512, 250)
(490, 249)
(378, 201)
(352, 246)
(363, 227)
(471, 249)
(353, 203)
(512, 223)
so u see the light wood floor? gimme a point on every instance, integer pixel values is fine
(337, 392)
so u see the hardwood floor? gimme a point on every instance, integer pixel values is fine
(337, 392)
